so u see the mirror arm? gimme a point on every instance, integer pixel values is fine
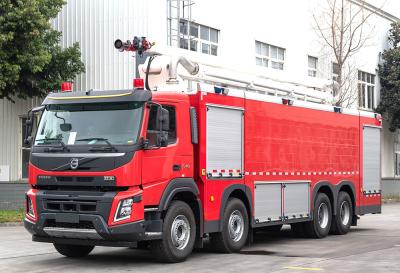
(29, 124)
(38, 109)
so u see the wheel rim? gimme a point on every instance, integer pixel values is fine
(236, 226)
(180, 232)
(345, 213)
(323, 215)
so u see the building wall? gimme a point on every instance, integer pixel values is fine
(293, 28)
(96, 24)
(11, 135)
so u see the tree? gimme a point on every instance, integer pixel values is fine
(389, 73)
(341, 27)
(31, 60)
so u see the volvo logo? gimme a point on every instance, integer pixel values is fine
(74, 164)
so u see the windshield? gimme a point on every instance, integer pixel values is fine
(89, 124)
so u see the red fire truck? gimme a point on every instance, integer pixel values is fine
(167, 169)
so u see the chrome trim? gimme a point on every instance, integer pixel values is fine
(281, 182)
(152, 234)
(90, 97)
(225, 106)
(116, 212)
(372, 126)
(150, 209)
(29, 221)
(76, 233)
(92, 155)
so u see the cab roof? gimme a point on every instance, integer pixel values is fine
(137, 95)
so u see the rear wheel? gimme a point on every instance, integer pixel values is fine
(320, 225)
(235, 228)
(344, 212)
(73, 251)
(179, 234)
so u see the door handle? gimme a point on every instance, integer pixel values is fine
(176, 167)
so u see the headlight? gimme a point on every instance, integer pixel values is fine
(29, 207)
(124, 210)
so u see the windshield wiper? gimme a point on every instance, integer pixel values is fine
(54, 149)
(110, 146)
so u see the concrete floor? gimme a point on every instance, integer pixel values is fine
(373, 246)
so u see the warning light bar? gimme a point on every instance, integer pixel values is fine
(138, 83)
(337, 109)
(287, 101)
(221, 90)
(66, 87)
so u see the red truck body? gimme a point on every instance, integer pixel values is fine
(274, 155)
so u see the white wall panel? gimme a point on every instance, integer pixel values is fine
(10, 133)
(96, 24)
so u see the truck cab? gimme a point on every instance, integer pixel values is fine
(105, 166)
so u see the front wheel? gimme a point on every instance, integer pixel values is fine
(235, 228)
(73, 251)
(179, 234)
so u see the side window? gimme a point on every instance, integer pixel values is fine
(152, 127)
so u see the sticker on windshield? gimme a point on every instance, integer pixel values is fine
(71, 138)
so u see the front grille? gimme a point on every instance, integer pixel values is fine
(70, 206)
(80, 225)
(83, 179)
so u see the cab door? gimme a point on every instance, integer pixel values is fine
(162, 164)
(157, 161)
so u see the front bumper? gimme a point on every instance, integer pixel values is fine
(63, 227)
(73, 218)
(99, 234)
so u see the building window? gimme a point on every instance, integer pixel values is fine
(270, 56)
(199, 38)
(312, 66)
(366, 90)
(335, 71)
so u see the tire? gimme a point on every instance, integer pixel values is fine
(179, 234)
(321, 224)
(73, 251)
(235, 228)
(341, 222)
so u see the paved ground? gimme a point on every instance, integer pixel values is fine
(373, 246)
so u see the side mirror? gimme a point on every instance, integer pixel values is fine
(28, 130)
(29, 124)
(28, 141)
(38, 109)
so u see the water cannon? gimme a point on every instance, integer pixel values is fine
(138, 44)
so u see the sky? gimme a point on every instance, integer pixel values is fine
(390, 6)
